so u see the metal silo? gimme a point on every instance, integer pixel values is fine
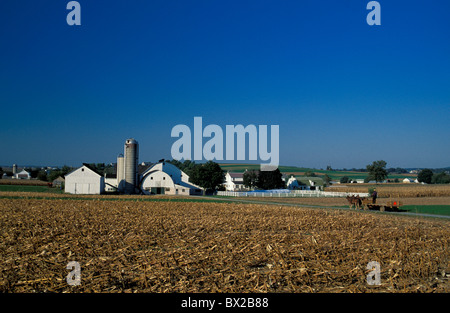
(120, 172)
(131, 152)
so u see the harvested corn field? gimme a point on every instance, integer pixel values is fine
(127, 246)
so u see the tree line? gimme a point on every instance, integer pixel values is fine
(429, 177)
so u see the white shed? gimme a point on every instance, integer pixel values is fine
(84, 180)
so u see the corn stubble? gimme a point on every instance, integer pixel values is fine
(215, 247)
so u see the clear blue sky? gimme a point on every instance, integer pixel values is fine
(344, 93)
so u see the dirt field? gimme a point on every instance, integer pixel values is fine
(128, 246)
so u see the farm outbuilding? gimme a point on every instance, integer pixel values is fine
(84, 180)
(58, 182)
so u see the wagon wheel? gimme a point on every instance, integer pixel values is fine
(382, 208)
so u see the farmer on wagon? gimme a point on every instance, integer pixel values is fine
(374, 196)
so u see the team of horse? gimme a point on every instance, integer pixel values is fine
(355, 201)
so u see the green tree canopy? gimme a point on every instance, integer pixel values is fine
(425, 176)
(250, 179)
(270, 180)
(441, 178)
(326, 179)
(377, 171)
(208, 175)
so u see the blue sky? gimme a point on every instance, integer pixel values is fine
(344, 93)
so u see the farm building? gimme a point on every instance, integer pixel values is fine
(166, 178)
(58, 182)
(84, 180)
(111, 184)
(305, 183)
(131, 177)
(234, 181)
(410, 180)
(22, 175)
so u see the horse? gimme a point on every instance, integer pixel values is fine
(354, 200)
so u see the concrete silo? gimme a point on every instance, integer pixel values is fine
(120, 173)
(131, 155)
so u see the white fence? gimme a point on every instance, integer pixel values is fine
(290, 194)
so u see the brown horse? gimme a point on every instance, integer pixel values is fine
(354, 201)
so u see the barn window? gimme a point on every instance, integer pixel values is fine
(151, 177)
(164, 178)
(82, 169)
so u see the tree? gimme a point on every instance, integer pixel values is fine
(250, 179)
(270, 180)
(42, 175)
(425, 176)
(66, 169)
(326, 179)
(377, 171)
(187, 166)
(208, 175)
(441, 178)
(345, 179)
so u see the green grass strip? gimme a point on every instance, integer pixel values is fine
(428, 209)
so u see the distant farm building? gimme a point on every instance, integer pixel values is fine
(58, 182)
(305, 183)
(410, 180)
(22, 175)
(234, 181)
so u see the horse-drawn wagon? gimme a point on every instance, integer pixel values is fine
(390, 205)
(368, 204)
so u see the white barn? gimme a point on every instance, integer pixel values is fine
(166, 178)
(84, 180)
(22, 175)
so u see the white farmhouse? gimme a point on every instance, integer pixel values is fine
(84, 180)
(234, 181)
